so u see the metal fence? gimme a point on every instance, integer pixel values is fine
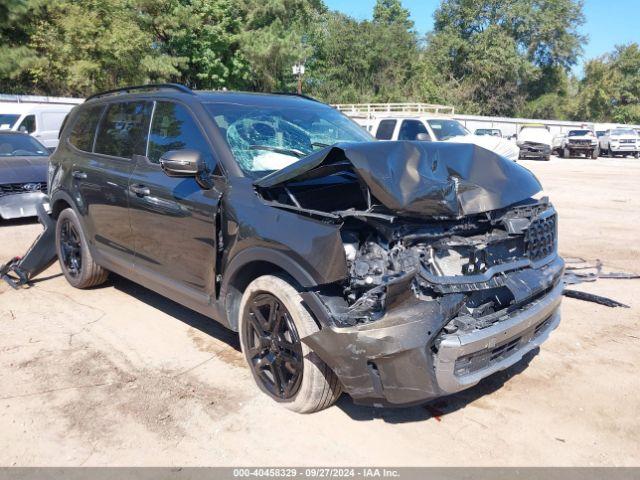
(6, 98)
(369, 111)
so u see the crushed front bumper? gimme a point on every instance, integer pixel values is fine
(536, 151)
(20, 205)
(463, 360)
(397, 361)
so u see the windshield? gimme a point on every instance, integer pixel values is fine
(445, 129)
(580, 133)
(20, 145)
(623, 131)
(267, 138)
(7, 121)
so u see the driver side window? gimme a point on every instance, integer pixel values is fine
(173, 128)
(28, 124)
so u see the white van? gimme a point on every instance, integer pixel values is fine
(41, 120)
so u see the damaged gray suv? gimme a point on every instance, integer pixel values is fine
(395, 271)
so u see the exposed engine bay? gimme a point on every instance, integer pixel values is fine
(483, 260)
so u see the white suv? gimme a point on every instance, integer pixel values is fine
(620, 141)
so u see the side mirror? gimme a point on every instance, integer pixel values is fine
(423, 137)
(182, 163)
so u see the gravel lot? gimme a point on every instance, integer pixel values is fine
(118, 375)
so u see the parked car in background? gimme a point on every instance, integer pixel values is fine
(23, 174)
(494, 132)
(535, 141)
(42, 121)
(620, 141)
(579, 142)
(439, 129)
(397, 271)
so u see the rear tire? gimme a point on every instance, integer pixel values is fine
(311, 388)
(74, 255)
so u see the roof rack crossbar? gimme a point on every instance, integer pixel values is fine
(150, 86)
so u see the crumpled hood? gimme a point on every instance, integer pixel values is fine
(23, 169)
(498, 145)
(419, 178)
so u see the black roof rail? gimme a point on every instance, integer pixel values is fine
(150, 86)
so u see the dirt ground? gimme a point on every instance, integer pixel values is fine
(118, 375)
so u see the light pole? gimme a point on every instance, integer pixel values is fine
(298, 69)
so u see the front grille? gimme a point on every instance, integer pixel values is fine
(484, 358)
(580, 142)
(627, 141)
(540, 237)
(13, 188)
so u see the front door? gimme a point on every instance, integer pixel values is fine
(174, 219)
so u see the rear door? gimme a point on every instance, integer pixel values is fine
(174, 219)
(103, 179)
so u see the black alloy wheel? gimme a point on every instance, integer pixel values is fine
(273, 349)
(70, 248)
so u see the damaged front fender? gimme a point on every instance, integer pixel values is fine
(374, 361)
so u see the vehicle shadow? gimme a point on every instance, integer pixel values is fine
(440, 407)
(192, 318)
(16, 222)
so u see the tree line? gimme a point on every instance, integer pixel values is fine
(488, 57)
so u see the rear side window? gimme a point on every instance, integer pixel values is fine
(410, 129)
(173, 128)
(84, 128)
(385, 129)
(123, 129)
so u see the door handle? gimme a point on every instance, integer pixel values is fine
(140, 190)
(79, 174)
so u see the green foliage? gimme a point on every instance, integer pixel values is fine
(610, 90)
(497, 56)
(494, 57)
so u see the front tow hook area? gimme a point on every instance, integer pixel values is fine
(19, 271)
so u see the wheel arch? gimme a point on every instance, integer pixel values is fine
(59, 201)
(251, 264)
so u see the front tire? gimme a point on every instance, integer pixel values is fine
(566, 153)
(76, 262)
(272, 322)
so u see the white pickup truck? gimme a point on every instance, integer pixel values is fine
(620, 141)
(578, 142)
(437, 129)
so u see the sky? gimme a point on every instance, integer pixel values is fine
(609, 22)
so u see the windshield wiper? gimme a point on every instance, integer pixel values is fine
(320, 144)
(285, 151)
